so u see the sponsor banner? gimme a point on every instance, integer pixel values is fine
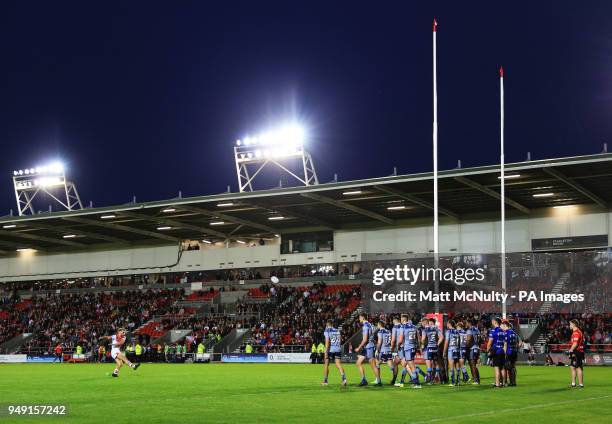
(12, 358)
(244, 357)
(202, 357)
(599, 359)
(600, 240)
(40, 358)
(589, 358)
(295, 358)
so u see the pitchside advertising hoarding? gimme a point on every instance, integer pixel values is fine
(279, 358)
(560, 282)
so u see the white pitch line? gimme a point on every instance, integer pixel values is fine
(497, 411)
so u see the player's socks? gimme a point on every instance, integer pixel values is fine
(403, 378)
(415, 378)
(429, 376)
(437, 374)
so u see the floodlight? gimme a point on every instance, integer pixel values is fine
(276, 218)
(111, 216)
(69, 236)
(396, 208)
(241, 241)
(26, 249)
(351, 192)
(9, 226)
(224, 204)
(49, 179)
(509, 177)
(164, 228)
(563, 206)
(217, 223)
(207, 241)
(169, 210)
(276, 146)
(543, 195)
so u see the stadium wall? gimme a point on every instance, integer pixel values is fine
(466, 237)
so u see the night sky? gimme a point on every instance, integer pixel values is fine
(147, 98)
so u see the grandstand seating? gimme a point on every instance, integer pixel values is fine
(279, 316)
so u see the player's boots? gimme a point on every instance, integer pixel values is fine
(363, 382)
(136, 366)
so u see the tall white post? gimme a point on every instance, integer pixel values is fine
(503, 189)
(435, 145)
(436, 247)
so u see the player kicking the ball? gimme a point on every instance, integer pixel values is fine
(117, 341)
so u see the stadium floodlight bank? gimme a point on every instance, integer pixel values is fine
(282, 147)
(50, 180)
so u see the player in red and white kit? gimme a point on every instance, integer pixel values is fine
(117, 341)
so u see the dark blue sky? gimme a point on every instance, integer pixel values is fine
(147, 98)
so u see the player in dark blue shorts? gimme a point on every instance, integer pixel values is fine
(512, 343)
(383, 350)
(409, 339)
(431, 341)
(495, 350)
(463, 350)
(333, 351)
(473, 343)
(451, 348)
(365, 350)
(397, 348)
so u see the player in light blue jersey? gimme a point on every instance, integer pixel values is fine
(397, 348)
(431, 341)
(365, 350)
(473, 342)
(409, 339)
(463, 350)
(333, 351)
(383, 350)
(451, 348)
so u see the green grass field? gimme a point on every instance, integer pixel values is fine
(250, 393)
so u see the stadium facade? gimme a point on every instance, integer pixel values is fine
(560, 204)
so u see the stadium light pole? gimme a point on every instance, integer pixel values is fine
(281, 147)
(503, 188)
(51, 180)
(435, 160)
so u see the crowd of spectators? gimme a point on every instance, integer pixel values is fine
(294, 317)
(70, 319)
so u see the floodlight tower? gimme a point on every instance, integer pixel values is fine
(283, 148)
(50, 180)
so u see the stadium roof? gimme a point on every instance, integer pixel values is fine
(464, 193)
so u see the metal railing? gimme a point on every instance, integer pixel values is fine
(562, 347)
